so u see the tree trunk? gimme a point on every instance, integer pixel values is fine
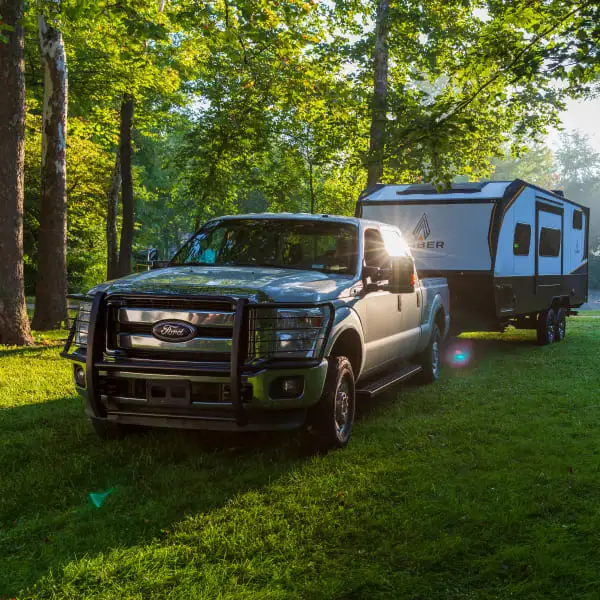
(379, 108)
(126, 187)
(51, 285)
(313, 201)
(112, 266)
(14, 325)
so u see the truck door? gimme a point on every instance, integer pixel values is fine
(409, 304)
(379, 311)
(549, 250)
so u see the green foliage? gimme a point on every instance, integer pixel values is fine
(253, 105)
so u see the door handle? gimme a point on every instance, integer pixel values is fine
(399, 303)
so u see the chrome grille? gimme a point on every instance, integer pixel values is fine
(132, 319)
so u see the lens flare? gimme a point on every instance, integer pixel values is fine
(459, 354)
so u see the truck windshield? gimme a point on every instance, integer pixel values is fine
(282, 243)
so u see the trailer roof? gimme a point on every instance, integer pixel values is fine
(488, 190)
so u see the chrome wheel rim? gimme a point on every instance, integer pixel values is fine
(560, 330)
(343, 417)
(435, 358)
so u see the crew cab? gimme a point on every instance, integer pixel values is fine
(260, 322)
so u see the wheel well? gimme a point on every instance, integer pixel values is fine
(440, 321)
(562, 302)
(348, 345)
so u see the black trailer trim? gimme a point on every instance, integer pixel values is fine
(428, 201)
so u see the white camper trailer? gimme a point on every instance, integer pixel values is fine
(513, 253)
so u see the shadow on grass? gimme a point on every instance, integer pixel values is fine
(50, 460)
(30, 350)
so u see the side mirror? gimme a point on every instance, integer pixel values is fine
(402, 275)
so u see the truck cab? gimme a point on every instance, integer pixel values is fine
(260, 322)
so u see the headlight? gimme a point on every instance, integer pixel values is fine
(287, 332)
(82, 323)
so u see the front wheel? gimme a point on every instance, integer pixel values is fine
(332, 418)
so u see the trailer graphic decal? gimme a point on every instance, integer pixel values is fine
(422, 231)
(421, 234)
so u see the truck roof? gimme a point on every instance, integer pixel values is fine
(305, 217)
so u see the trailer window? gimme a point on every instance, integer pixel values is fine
(549, 242)
(577, 220)
(522, 239)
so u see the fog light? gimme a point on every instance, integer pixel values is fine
(79, 376)
(287, 387)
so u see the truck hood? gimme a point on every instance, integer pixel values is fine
(261, 284)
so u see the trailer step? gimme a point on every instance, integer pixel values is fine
(379, 386)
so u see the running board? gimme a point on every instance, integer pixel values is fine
(379, 386)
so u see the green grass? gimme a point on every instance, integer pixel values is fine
(483, 486)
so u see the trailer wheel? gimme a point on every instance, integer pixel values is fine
(560, 328)
(546, 324)
(430, 359)
(332, 417)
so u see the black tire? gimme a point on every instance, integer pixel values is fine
(332, 417)
(545, 327)
(108, 430)
(430, 358)
(560, 325)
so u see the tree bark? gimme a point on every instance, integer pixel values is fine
(112, 266)
(379, 108)
(126, 187)
(14, 324)
(51, 284)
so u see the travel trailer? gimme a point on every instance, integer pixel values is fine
(513, 253)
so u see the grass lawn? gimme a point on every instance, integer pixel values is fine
(483, 486)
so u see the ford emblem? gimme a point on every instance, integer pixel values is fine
(173, 331)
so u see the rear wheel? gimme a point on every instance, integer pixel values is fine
(332, 418)
(546, 327)
(430, 359)
(560, 325)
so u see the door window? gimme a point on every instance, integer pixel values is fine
(549, 242)
(375, 252)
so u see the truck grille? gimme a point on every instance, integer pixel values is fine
(131, 322)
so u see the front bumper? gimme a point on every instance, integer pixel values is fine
(221, 396)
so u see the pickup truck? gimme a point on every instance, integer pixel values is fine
(260, 322)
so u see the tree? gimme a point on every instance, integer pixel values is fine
(51, 286)
(14, 325)
(112, 250)
(127, 202)
(380, 88)
(534, 163)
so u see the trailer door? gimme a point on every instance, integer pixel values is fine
(549, 250)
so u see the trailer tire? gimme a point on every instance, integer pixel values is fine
(546, 324)
(430, 358)
(108, 430)
(560, 325)
(331, 419)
